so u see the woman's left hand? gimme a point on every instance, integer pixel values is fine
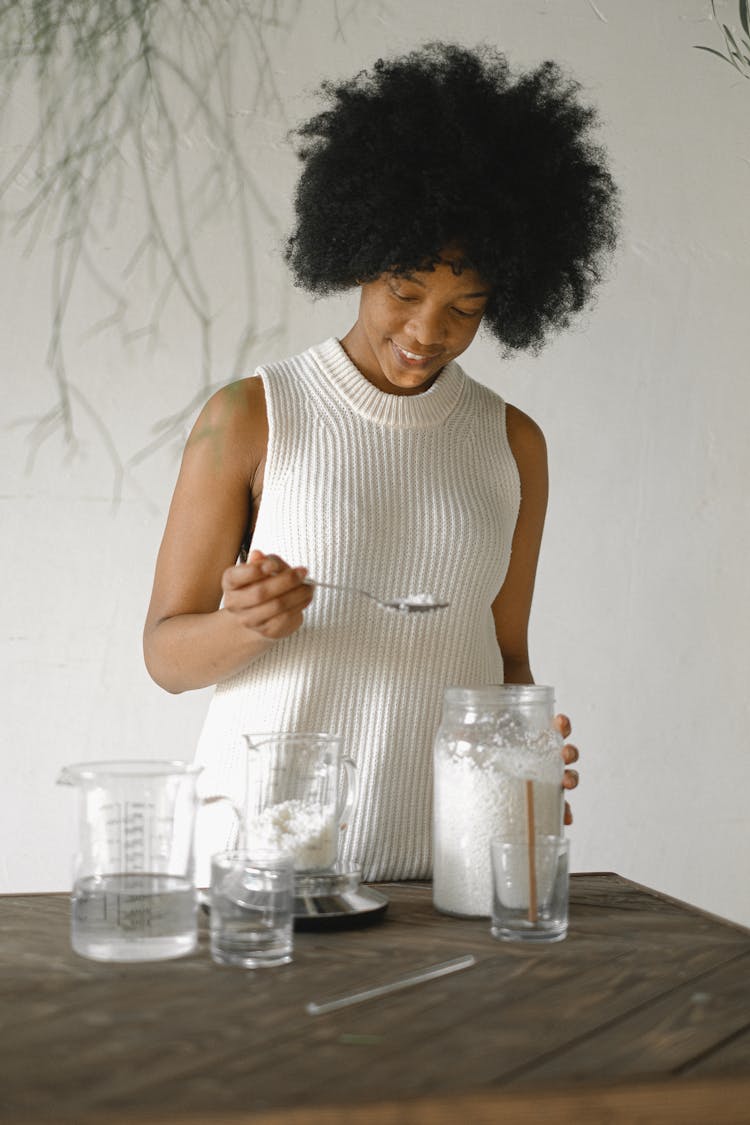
(570, 755)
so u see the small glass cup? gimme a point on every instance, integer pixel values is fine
(252, 900)
(530, 889)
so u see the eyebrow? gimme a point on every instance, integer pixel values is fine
(460, 297)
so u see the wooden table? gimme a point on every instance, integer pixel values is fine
(641, 1014)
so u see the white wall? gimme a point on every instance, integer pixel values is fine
(641, 611)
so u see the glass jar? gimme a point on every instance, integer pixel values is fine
(498, 762)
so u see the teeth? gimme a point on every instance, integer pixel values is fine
(410, 355)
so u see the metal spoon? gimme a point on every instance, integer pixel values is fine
(412, 603)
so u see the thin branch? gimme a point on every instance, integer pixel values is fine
(103, 74)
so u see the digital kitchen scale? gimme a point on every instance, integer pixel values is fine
(335, 899)
(328, 900)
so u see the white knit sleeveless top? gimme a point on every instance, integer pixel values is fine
(395, 494)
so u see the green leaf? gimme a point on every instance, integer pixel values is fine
(745, 15)
(732, 42)
(719, 55)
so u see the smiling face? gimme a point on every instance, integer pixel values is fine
(411, 325)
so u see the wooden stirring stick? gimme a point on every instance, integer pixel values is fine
(531, 830)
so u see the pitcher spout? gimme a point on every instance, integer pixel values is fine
(70, 775)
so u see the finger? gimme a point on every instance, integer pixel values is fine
(570, 753)
(570, 779)
(273, 597)
(273, 564)
(568, 817)
(292, 602)
(257, 567)
(283, 625)
(562, 723)
(243, 574)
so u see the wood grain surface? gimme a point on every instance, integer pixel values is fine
(641, 1014)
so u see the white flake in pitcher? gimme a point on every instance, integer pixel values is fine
(293, 827)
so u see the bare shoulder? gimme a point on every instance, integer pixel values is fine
(232, 427)
(236, 408)
(525, 438)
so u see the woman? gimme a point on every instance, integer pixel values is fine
(452, 195)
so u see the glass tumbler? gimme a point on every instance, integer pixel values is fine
(530, 889)
(252, 899)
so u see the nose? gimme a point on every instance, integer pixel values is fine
(426, 326)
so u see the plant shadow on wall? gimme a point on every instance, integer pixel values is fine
(145, 102)
(736, 43)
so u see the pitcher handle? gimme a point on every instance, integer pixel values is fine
(350, 792)
(239, 828)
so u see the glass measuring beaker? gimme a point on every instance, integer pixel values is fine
(498, 770)
(133, 893)
(300, 791)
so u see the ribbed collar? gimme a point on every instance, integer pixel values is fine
(414, 411)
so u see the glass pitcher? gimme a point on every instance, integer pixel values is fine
(133, 893)
(300, 792)
(498, 771)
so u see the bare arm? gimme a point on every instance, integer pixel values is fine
(188, 640)
(512, 606)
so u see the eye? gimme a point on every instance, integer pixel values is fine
(467, 315)
(402, 296)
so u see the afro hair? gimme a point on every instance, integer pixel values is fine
(444, 147)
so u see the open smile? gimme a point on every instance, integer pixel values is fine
(412, 359)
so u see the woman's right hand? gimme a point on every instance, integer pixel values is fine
(266, 595)
(208, 619)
